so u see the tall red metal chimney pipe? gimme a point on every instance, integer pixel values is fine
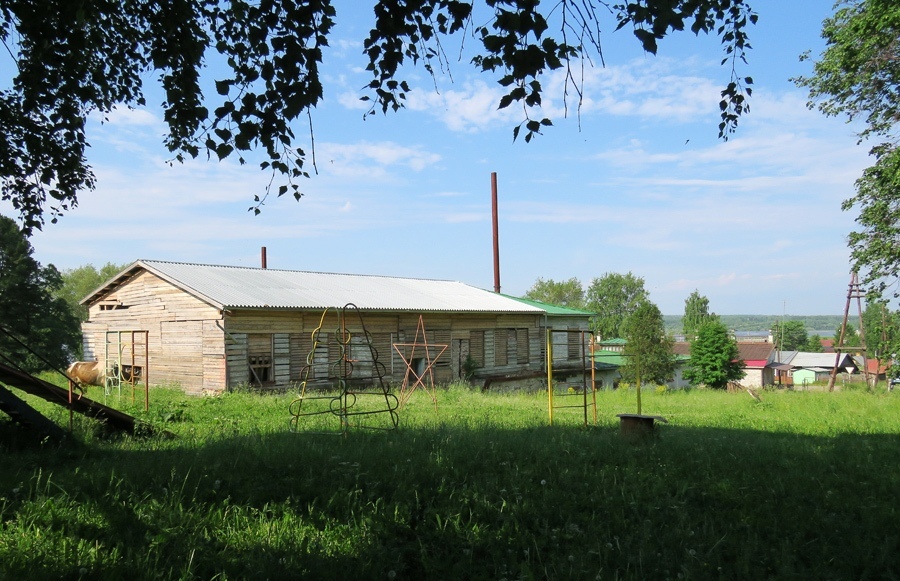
(496, 232)
(262, 257)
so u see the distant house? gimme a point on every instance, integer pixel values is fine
(210, 328)
(876, 368)
(759, 361)
(807, 368)
(783, 369)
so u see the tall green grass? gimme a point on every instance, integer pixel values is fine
(800, 485)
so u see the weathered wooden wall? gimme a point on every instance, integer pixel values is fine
(500, 344)
(185, 335)
(195, 345)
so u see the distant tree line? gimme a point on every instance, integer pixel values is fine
(675, 323)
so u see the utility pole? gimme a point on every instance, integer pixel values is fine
(853, 292)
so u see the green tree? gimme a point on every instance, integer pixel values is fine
(75, 59)
(789, 335)
(567, 293)
(696, 311)
(648, 351)
(614, 297)
(79, 282)
(715, 359)
(813, 344)
(858, 75)
(882, 327)
(851, 337)
(29, 311)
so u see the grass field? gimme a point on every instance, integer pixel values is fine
(799, 485)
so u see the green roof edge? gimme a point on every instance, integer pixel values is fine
(552, 309)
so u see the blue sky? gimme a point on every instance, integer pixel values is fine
(643, 185)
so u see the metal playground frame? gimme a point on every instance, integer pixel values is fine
(126, 358)
(360, 401)
(576, 395)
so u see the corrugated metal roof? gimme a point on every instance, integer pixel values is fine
(256, 288)
(824, 360)
(787, 356)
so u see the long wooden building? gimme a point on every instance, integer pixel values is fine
(209, 328)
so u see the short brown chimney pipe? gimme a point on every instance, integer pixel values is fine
(496, 232)
(262, 257)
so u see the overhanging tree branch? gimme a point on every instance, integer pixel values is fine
(76, 58)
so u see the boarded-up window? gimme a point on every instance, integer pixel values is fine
(459, 353)
(476, 347)
(301, 348)
(236, 354)
(282, 358)
(381, 347)
(361, 357)
(560, 341)
(336, 367)
(441, 362)
(575, 346)
(259, 358)
(541, 338)
(320, 362)
(512, 341)
(522, 346)
(501, 346)
(579, 342)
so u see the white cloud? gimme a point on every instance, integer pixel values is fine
(644, 88)
(470, 109)
(352, 100)
(383, 154)
(124, 116)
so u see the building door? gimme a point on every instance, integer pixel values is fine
(459, 352)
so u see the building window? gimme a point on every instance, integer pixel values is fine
(575, 346)
(259, 358)
(415, 371)
(501, 347)
(522, 347)
(476, 347)
(560, 344)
